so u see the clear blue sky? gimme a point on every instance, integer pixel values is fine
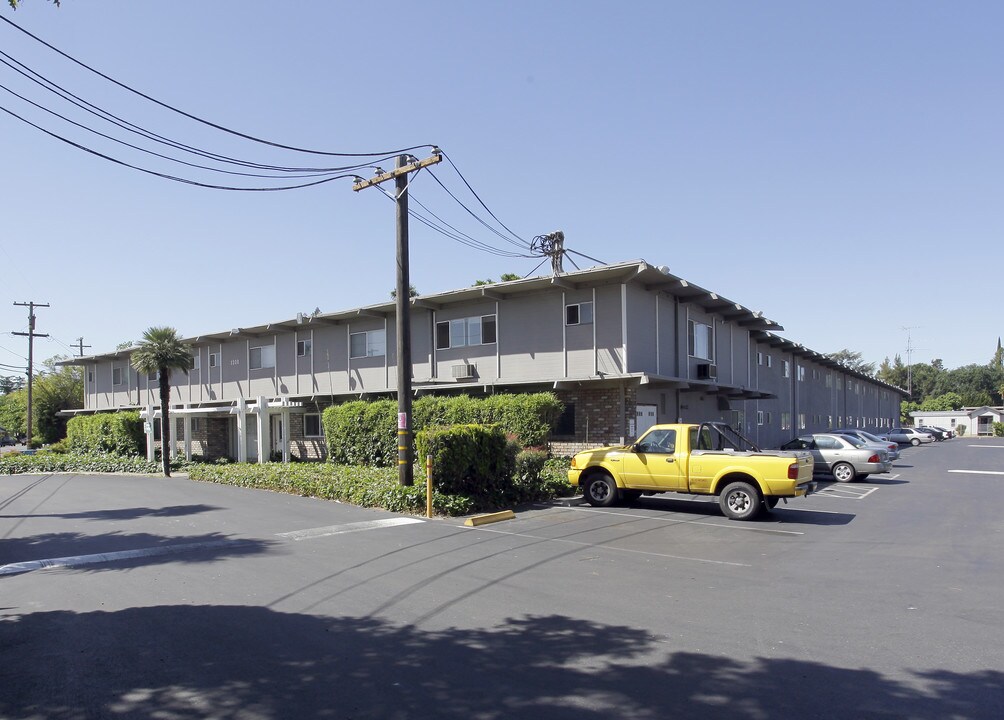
(837, 166)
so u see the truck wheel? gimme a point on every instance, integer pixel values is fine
(601, 491)
(740, 501)
(844, 472)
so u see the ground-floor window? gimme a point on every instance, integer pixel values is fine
(312, 425)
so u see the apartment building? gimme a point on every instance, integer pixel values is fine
(624, 346)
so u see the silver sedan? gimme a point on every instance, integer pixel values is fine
(844, 457)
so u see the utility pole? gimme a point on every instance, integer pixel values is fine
(31, 335)
(400, 174)
(909, 360)
(81, 346)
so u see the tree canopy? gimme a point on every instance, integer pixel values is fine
(161, 351)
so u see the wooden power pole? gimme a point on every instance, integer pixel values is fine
(31, 335)
(405, 166)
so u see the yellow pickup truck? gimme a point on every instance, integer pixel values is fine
(698, 459)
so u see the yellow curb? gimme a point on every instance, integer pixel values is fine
(489, 518)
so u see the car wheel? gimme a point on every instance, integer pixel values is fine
(630, 495)
(914, 441)
(601, 491)
(844, 472)
(740, 501)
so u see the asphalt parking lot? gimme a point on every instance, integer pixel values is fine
(150, 597)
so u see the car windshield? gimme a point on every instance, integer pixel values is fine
(869, 436)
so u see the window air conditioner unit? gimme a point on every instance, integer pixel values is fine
(465, 371)
(707, 371)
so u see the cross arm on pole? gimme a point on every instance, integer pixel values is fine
(411, 167)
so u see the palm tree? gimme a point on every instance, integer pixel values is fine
(161, 351)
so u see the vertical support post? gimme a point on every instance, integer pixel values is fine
(285, 435)
(428, 486)
(264, 434)
(148, 426)
(404, 460)
(186, 422)
(242, 439)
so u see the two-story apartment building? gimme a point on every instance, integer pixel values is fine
(623, 346)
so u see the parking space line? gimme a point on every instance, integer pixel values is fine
(347, 528)
(848, 493)
(978, 472)
(611, 547)
(97, 558)
(991, 447)
(690, 522)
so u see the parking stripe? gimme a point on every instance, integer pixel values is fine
(978, 472)
(97, 558)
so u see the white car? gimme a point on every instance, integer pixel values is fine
(908, 436)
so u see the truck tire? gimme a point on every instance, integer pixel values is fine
(740, 501)
(844, 472)
(601, 490)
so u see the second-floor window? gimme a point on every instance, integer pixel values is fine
(116, 376)
(214, 359)
(579, 314)
(371, 343)
(477, 330)
(701, 340)
(262, 356)
(303, 348)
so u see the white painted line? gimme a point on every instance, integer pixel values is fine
(81, 560)
(978, 472)
(847, 493)
(687, 522)
(992, 447)
(350, 527)
(611, 547)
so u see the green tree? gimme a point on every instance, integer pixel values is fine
(14, 412)
(161, 351)
(56, 388)
(853, 360)
(943, 403)
(509, 277)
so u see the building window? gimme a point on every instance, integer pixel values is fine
(153, 376)
(116, 375)
(312, 425)
(261, 357)
(565, 426)
(701, 341)
(759, 417)
(478, 330)
(371, 343)
(214, 359)
(801, 421)
(770, 361)
(196, 425)
(759, 358)
(196, 362)
(579, 314)
(787, 369)
(303, 348)
(801, 373)
(829, 380)
(90, 376)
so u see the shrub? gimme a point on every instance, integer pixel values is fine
(363, 486)
(46, 461)
(472, 460)
(999, 429)
(366, 432)
(120, 433)
(960, 430)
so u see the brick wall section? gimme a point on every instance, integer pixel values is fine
(598, 419)
(304, 448)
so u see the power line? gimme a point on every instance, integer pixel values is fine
(201, 120)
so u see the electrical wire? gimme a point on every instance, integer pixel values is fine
(109, 117)
(175, 178)
(201, 120)
(457, 170)
(520, 244)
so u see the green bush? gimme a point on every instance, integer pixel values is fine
(472, 460)
(999, 429)
(120, 433)
(363, 486)
(45, 461)
(960, 430)
(360, 432)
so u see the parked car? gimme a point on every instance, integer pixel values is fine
(938, 433)
(7, 440)
(908, 436)
(873, 440)
(948, 433)
(845, 457)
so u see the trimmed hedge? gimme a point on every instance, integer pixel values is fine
(473, 460)
(120, 433)
(362, 432)
(48, 462)
(363, 486)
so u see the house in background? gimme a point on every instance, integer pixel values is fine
(979, 421)
(623, 346)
